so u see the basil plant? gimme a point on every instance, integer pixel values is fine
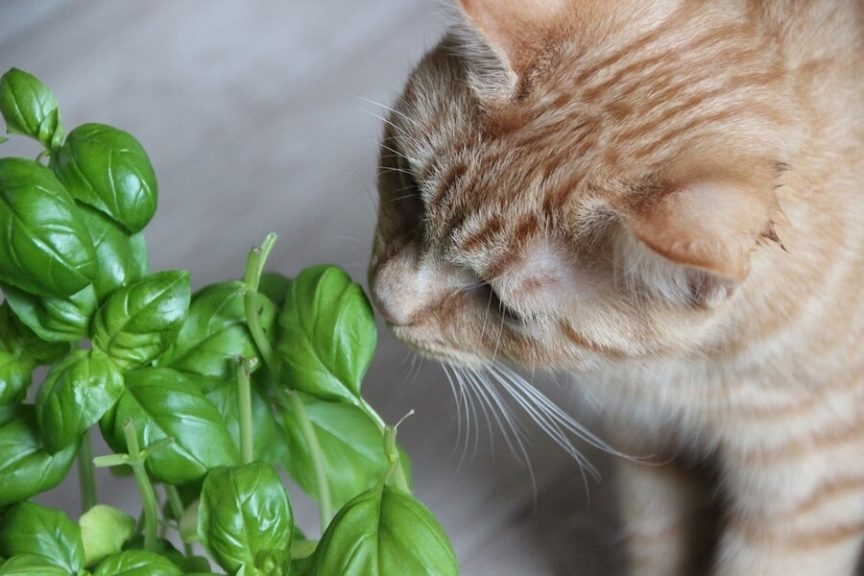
(207, 399)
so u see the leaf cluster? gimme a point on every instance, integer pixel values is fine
(204, 397)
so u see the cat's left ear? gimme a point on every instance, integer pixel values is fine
(505, 36)
(706, 230)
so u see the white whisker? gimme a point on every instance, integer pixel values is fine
(518, 450)
(457, 399)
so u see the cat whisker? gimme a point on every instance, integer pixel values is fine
(388, 109)
(471, 413)
(551, 419)
(418, 360)
(485, 406)
(457, 398)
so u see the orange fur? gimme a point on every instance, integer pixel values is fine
(665, 198)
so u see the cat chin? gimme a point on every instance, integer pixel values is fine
(438, 352)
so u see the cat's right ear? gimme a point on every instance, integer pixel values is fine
(501, 39)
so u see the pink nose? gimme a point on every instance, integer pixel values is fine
(389, 307)
(396, 290)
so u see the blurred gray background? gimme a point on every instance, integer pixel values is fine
(257, 117)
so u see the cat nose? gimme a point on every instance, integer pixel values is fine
(388, 310)
(394, 290)
(389, 307)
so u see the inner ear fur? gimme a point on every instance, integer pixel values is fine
(712, 225)
(704, 225)
(501, 39)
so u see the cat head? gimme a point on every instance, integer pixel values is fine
(573, 182)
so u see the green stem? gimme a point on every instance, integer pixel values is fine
(244, 395)
(86, 473)
(252, 277)
(176, 505)
(301, 549)
(145, 487)
(395, 474)
(325, 503)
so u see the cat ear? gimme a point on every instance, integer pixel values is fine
(707, 227)
(504, 36)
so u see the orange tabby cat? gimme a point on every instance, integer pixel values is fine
(665, 198)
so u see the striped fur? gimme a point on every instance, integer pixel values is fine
(664, 198)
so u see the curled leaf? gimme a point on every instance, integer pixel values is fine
(29, 108)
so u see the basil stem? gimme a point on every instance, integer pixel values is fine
(395, 474)
(252, 277)
(244, 396)
(145, 487)
(176, 505)
(325, 504)
(86, 473)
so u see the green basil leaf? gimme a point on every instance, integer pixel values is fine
(327, 334)
(108, 169)
(46, 249)
(244, 511)
(30, 565)
(15, 376)
(386, 532)
(267, 437)
(104, 530)
(275, 286)
(352, 448)
(29, 108)
(122, 257)
(167, 550)
(20, 340)
(55, 319)
(26, 469)
(163, 404)
(29, 528)
(74, 396)
(8, 413)
(139, 322)
(270, 563)
(214, 334)
(137, 563)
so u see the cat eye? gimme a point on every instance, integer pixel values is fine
(408, 182)
(496, 304)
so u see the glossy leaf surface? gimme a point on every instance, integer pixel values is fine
(244, 512)
(163, 404)
(16, 373)
(55, 319)
(45, 247)
(352, 449)
(268, 441)
(139, 322)
(19, 339)
(214, 334)
(30, 565)
(29, 108)
(74, 396)
(29, 528)
(108, 169)
(384, 532)
(327, 334)
(137, 563)
(122, 258)
(26, 468)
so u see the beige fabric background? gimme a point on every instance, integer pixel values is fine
(254, 113)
